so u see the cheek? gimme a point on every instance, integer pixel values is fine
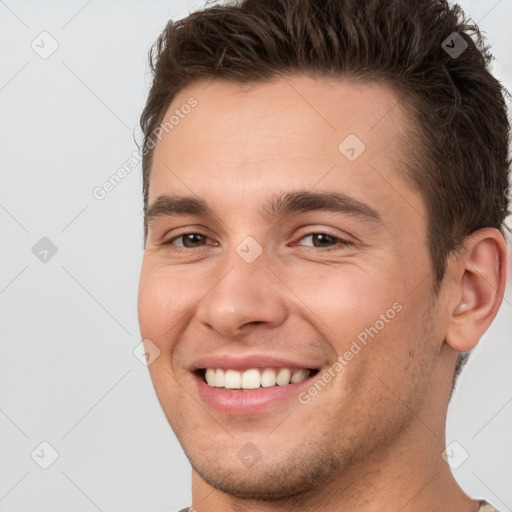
(343, 301)
(149, 305)
(160, 305)
(376, 329)
(168, 299)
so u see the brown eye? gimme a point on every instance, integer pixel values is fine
(323, 240)
(188, 240)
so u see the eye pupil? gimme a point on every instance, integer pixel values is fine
(323, 239)
(192, 238)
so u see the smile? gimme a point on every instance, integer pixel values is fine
(254, 378)
(243, 393)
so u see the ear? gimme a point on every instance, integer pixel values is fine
(478, 277)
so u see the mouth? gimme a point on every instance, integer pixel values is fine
(253, 378)
(244, 393)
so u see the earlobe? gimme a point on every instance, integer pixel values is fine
(478, 280)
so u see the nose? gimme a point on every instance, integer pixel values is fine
(246, 294)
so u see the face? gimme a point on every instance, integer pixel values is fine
(276, 244)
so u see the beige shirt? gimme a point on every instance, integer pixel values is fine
(484, 507)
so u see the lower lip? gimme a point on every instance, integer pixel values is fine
(248, 402)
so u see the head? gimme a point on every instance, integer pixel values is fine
(351, 118)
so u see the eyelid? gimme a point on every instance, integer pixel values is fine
(184, 233)
(324, 230)
(185, 229)
(340, 241)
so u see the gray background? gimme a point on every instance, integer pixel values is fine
(68, 375)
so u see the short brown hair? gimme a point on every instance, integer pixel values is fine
(462, 162)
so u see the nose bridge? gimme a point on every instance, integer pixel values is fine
(245, 293)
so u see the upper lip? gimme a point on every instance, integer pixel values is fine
(246, 362)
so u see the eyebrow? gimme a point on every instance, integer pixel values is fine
(170, 205)
(278, 206)
(306, 201)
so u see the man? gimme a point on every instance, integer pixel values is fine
(325, 186)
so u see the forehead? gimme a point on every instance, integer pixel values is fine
(290, 133)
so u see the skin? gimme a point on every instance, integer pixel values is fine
(373, 438)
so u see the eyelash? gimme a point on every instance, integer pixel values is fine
(339, 241)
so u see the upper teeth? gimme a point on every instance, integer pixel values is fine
(253, 378)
